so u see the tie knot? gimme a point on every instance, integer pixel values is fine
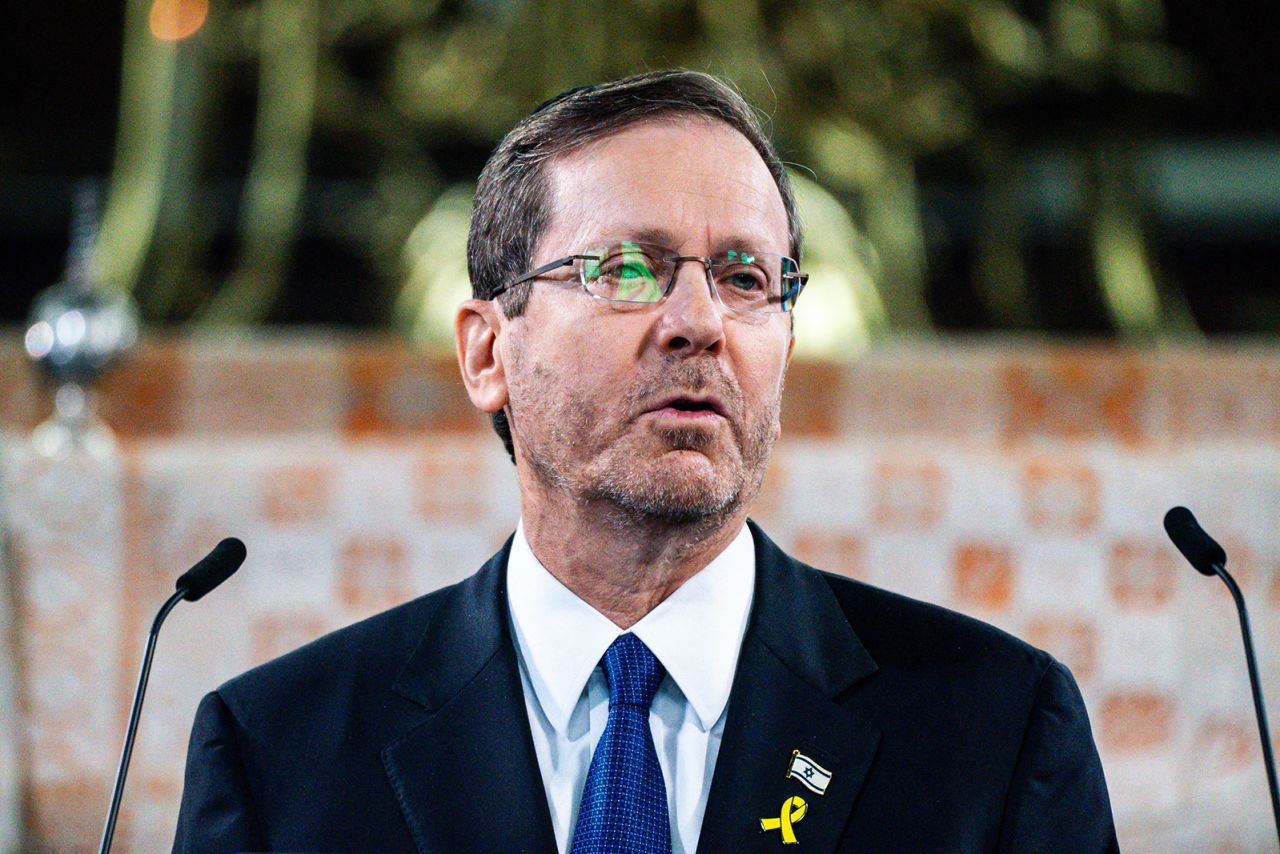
(632, 671)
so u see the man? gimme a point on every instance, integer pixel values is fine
(640, 669)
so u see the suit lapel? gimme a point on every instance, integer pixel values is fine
(799, 660)
(467, 777)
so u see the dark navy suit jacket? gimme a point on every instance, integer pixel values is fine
(408, 731)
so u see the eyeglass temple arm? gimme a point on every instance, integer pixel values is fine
(542, 271)
(796, 283)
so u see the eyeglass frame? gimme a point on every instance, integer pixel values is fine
(787, 299)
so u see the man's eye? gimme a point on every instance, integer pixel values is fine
(629, 267)
(744, 280)
(634, 270)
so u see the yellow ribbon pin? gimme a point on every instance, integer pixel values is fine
(793, 810)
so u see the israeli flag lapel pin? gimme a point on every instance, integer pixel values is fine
(808, 773)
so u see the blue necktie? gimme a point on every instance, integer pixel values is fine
(624, 801)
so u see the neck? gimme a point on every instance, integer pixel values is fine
(622, 565)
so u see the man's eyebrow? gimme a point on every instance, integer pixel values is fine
(654, 234)
(665, 237)
(740, 243)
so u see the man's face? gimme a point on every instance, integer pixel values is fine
(670, 410)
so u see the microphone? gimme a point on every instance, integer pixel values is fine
(213, 569)
(1209, 558)
(1201, 550)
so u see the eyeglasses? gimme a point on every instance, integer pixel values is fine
(631, 272)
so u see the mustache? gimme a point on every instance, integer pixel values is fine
(696, 377)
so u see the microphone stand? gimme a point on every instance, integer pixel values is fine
(135, 713)
(1259, 707)
(211, 570)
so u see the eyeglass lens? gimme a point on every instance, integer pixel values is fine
(642, 272)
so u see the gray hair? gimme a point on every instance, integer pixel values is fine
(512, 204)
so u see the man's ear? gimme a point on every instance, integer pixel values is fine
(476, 327)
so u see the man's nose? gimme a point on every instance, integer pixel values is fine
(692, 320)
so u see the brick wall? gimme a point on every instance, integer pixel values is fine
(1021, 483)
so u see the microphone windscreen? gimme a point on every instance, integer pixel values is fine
(213, 569)
(1200, 549)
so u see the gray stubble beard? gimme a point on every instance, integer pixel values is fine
(642, 495)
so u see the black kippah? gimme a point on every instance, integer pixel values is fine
(565, 94)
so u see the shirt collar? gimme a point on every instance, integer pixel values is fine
(696, 632)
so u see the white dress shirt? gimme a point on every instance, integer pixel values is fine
(696, 633)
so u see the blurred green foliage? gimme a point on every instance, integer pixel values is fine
(859, 94)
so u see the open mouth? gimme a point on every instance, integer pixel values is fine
(688, 407)
(683, 405)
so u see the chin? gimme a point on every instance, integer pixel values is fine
(678, 491)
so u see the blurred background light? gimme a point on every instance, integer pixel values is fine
(172, 20)
(436, 262)
(39, 339)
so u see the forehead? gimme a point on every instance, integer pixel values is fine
(696, 179)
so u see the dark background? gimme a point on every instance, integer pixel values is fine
(61, 67)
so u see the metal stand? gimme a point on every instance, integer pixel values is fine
(1259, 707)
(135, 713)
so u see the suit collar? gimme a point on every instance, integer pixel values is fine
(466, 775)
(794, 614)
(466, 631)
(801, 661)
(798, 618)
